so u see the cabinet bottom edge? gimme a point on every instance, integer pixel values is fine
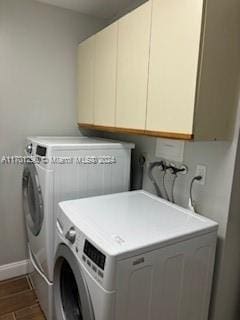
(159, 134)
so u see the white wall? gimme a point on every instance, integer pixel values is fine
(213, 198)
(230, 283)
(37, 97)
(38, 48)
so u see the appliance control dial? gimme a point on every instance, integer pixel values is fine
(71, 235)
(29, 148)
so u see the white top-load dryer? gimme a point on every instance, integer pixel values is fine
(58, 169)
(132, 256)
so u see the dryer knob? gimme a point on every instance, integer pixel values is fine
(71, 235)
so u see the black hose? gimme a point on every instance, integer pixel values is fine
(141, 163)
(151, 177)
(196, 178)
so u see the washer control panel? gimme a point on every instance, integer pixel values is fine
(94, 254)
(94, 260)
(93, 267)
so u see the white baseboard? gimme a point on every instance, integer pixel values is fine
(13, 270)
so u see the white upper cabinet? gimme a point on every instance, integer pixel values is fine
(105, 76)
(174, 56)
(86, 63)
(165, 69)
(132, 68)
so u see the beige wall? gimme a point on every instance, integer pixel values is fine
(38, 48)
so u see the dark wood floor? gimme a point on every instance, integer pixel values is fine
(18, 300)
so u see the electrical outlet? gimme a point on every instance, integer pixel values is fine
(201, 171)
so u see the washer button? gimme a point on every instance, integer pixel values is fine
(94, 268)
(89, 263)
(100, 273)
(84, 258)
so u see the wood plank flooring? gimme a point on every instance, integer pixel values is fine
(18, 300)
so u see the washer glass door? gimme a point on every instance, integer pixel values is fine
(72, 299)
(32, 199)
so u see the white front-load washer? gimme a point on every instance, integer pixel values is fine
(58, 169)
(132, 256)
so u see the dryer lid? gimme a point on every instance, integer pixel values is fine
(79, 142)
(133, 221)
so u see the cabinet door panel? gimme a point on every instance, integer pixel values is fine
(132, 71)
(86, 61)
(105, 76)
(174, 54)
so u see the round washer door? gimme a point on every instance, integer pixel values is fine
(71, 296)
(32, 199)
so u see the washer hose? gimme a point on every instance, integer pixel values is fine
(151, 177)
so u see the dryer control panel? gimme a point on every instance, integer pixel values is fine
(41, 151)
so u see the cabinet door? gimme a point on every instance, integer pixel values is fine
(105, 76)
(86, 59)
(175, 44)
(132, 71)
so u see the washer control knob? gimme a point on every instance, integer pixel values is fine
(71, 235)
(29, 148)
